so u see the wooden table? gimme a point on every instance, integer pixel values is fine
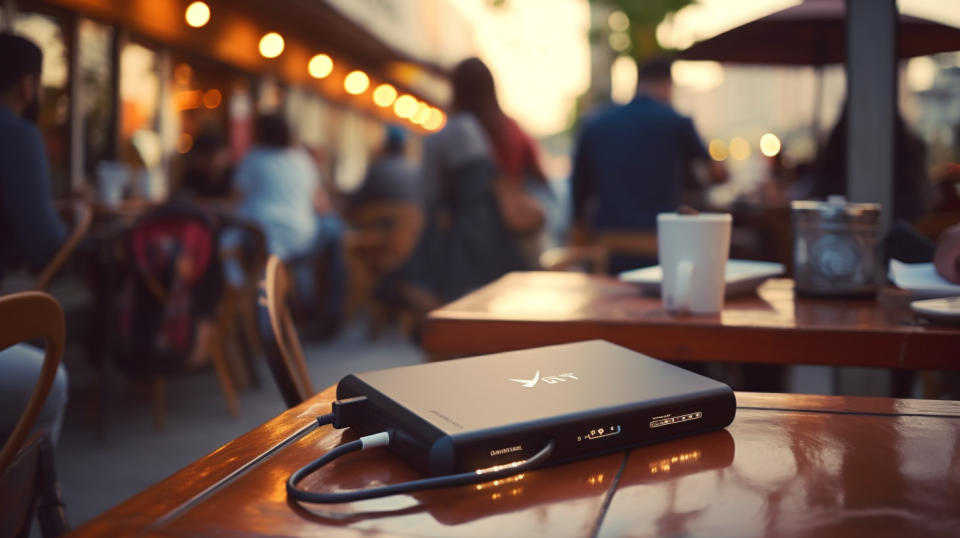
(523, 310)
(789, 465)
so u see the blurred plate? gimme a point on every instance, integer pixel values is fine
(944, 309)
(743, 276)
(921, 280)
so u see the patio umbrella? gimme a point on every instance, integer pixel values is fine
(814, 33)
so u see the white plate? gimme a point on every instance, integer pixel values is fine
(921, 280)
(944, 309)
(743, 276)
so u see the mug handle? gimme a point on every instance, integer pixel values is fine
(682, 285)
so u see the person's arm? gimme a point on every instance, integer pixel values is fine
(946, 259)
(716, 171)
(26, 198)
(582, 190)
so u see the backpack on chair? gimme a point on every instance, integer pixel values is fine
(172, 280)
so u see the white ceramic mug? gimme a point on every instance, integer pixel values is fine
(693, 252)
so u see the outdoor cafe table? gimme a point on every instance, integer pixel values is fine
(788, 465)
(530, 309)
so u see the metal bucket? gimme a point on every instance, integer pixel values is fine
(835, 247)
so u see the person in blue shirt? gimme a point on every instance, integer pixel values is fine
(631, 161)
(279, 188)
(390, 177)
(30, 231)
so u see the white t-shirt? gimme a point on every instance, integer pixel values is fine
(278, 187)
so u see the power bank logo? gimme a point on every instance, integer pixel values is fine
(550, 379)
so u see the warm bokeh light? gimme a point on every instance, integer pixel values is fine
(619, 41)
(356, 82)
(320, 66)
(188, 99)
(739, 148)
(421, 114)
(697, 76)
(197, 14)
(384, 95)
(769, 144)
(183, 74)
(618, 21)
(405, 106)
(435, 120)
(212, 98)
(718, 150)
(271, 45)
(535, 88)
(184, 143)
(623, 79)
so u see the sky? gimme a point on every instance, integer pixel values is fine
(539, 52)
(539, 55)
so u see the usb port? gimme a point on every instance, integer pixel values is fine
(598, 433)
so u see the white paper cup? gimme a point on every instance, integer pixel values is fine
(693, 251)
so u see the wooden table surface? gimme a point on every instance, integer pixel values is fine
(523, 310)
(788, 465)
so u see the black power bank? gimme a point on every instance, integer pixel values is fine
(590, 397)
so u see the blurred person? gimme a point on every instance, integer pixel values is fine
(521, 187)
(391, 177)
(912, 191)
(465, 243)
(631, 160)
(279, 188)
(30, 231)
(207, 170)
(946, 258)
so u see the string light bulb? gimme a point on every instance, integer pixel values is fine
(356, 82)
(271, 45)
(320, 66)
(197, 14)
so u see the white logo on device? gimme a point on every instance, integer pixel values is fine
(551, 379)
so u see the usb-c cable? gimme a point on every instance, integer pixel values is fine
(347, 409)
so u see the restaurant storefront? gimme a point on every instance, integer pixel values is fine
(137, 81)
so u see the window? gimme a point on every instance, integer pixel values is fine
(48, 33)
(96, 92)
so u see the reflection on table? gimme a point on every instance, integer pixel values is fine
(788, 465)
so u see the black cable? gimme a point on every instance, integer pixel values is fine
(382, 439)
(322, 420)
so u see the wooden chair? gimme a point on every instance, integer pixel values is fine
(384, 235)
(595, 251)
(27, 474)
(210, 336)
(630, 243)
(81, 215)
(281, 344)
(236, 316)
(592, 258)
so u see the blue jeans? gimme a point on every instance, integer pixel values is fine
(20, 367)
(333, 289)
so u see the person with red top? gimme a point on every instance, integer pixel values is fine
(514, 152)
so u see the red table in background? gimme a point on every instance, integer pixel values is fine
(523, 310)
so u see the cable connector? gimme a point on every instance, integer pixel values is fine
(375, 440)
(349, 412)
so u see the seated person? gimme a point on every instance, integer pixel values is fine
(30, 231)
(946, 259)
(279, 188)
(206, 168)
(391, 177)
